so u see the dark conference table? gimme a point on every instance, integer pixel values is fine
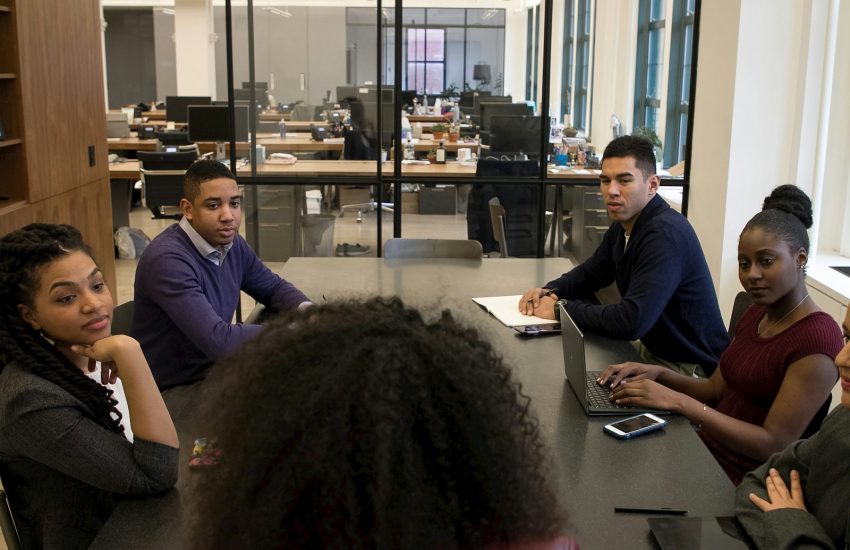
(592, 472)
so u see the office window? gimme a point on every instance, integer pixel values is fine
(582, 76)
(426, 56)
(469, 37)
(649, 63)
(679, 81)
(567, 60)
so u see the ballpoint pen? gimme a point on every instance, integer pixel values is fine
(659, 510)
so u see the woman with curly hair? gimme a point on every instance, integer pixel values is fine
(81, 419)
(778, 371)
(361, 425)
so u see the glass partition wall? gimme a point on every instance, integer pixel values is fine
(413, 119)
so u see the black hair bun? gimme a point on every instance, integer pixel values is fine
(792, 200)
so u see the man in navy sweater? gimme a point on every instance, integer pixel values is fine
(652, 253)
(188, 281)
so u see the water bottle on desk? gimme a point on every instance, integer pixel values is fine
(282, 127)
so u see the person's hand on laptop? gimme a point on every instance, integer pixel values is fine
(648, 393)
(539, 302)
(615, 374)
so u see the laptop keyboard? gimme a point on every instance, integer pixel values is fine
(598, 397)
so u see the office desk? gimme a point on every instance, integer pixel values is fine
(592, 471)
(132, 143)
(430, 118)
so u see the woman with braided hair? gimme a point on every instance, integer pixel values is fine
(81, 419)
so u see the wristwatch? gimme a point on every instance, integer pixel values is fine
(558, 304)
(549, 292)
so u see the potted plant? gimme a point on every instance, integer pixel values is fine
(438, 130)
(454, 133)
(650, 135)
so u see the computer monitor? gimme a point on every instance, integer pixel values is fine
(515, 134)
(176, 106)
(479, 99)
(407, 97)
(489, 110)
(212, 123)
(258, 85)
(344, 92)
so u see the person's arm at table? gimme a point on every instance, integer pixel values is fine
(704, 390)
(806, 384)
(268, 288)
(655, 276)
(175, 287)
(595, 273)
(783, 524)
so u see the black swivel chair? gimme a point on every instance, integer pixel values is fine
(162, 179)
(521, 204)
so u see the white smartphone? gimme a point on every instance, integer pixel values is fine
(634, 426)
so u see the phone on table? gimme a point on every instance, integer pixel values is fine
(539, 330)
(634, 426)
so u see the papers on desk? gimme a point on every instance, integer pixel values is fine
(408, 161)
(505, 309)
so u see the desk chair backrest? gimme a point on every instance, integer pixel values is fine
(7, 524)
(302, 112)
(520, 201)
(742, 302)
(166, 161)
(497, 218)
(122, 318)
(432, 248)
(173, 138)
(356, 146)
(162, 179)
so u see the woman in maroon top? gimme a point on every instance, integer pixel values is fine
(778, 370)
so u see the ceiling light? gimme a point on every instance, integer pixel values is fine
(282, 13)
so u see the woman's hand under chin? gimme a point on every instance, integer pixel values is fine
(110, 351)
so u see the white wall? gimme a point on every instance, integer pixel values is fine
(195, 50)
(613, 68)
(757, 91)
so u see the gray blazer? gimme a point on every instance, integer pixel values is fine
(62, 470)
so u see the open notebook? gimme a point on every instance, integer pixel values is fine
(505, 309)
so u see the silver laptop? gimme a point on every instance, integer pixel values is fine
(582, 376)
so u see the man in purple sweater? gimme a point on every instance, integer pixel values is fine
(188, 281)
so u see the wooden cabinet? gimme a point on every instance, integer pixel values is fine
(53, 163)
(13, 176)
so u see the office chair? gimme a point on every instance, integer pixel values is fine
(122, 318)
(303, 112)
(742, 302)
(162, 180)
(520, 202)
(497, 218)
(432, 248)
(7, 524)
(358, 146)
